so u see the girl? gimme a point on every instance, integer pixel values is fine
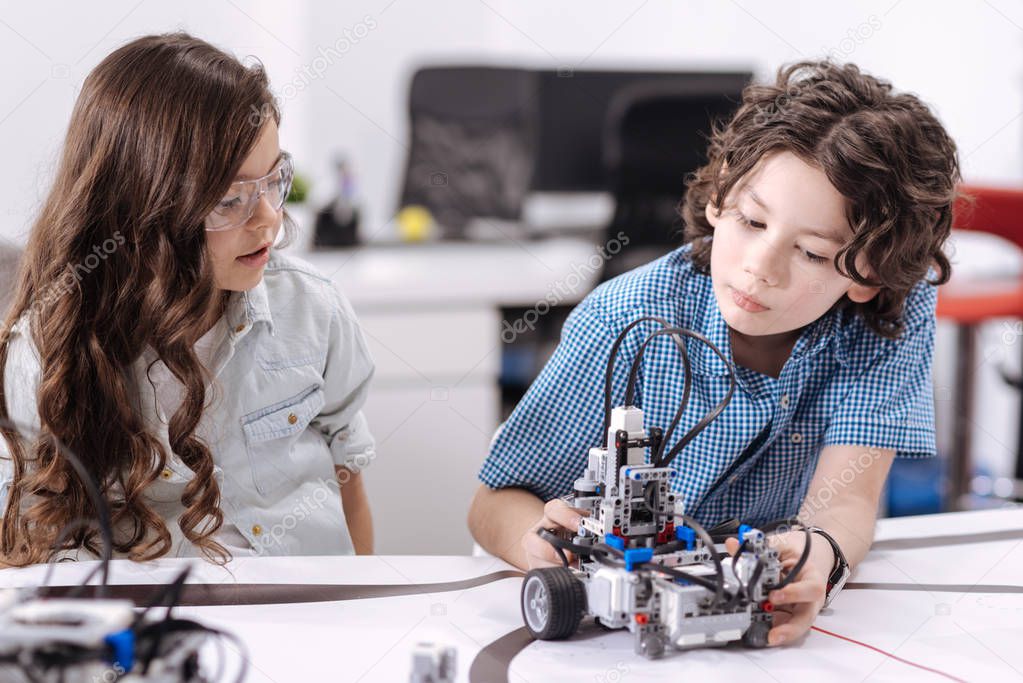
(212, 387)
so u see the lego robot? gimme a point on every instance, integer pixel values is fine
(643, 564)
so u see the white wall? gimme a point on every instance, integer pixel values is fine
(47, 48)
(342, 69)
(965, 59)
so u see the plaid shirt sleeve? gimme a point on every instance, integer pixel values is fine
(544, 444)
(891, 404)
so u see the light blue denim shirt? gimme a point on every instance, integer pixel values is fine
(292, 374)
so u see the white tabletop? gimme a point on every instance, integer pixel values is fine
(511, 273)
(948, 606)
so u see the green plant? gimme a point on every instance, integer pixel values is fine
(299, 189)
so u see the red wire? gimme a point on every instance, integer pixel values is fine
(889, 654)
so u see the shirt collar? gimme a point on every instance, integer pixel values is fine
(827, 332)
(245, 309)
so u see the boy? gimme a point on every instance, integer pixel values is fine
(808, 239)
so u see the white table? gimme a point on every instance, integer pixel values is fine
(954, 612)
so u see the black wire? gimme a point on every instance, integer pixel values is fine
(676, 420)
(801, 562)
(667, 458)
(561, 545)
(693, 578)
(709, 542)
(687, 383)
(62, 537)
(676, 334)
(28, 673)
(599, 551)
(92, 489)
(609, 378)
(659, 459)
(163, 628)
(758, 569)
(170, 593)
(84, 583)
(609, 370)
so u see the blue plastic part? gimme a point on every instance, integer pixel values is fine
(743, 530)
(635, 556)
(615, 541)
(684, 533)
(122, 643)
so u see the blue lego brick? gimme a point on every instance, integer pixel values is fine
(122, 645)
(635, 556)
(684, 533)
(615, 541)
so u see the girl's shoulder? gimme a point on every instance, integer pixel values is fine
(296, 285)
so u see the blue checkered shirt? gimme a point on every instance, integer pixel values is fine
(842, 384)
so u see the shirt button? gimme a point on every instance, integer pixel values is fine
(240, 328)
(797, 438)
(292, 418)
(784, 401)
(166, 474)
(256, 530)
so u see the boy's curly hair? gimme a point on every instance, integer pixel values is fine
(885, 152)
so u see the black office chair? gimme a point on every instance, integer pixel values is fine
(654, 137)
(473, 139)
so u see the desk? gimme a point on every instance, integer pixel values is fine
(954, 602)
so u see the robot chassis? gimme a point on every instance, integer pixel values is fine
(643, 564)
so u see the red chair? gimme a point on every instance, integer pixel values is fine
(998, 211)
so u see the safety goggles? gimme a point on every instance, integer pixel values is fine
(238, 205)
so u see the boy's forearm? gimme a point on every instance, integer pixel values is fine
(499, 518)
(358, 516)
(851, 521)
(846, 506)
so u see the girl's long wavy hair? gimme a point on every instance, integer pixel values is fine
(158, 133)
(885, 152)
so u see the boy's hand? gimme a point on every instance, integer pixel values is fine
(797, 604)
(557, 515)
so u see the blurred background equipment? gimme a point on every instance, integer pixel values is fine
(472, 143)
(655, 135)
(968, 300)
(337, 223)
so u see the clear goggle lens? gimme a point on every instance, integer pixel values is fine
(238, 205)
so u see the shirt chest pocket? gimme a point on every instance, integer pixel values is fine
(271, 433)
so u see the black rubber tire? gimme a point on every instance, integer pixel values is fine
(756, 635)
(565, 603)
